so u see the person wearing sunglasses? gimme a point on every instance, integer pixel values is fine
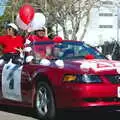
(39, 35)
(11, 43)
(36, 36)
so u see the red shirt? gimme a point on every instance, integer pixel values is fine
(9, 43)
(40, 49)
(33, 38)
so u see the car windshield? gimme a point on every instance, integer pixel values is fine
(65, 50)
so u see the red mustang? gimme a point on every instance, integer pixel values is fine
(62, 75)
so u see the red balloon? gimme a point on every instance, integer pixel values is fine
(26, 13)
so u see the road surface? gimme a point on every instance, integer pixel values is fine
(17, 113)
(12, 116)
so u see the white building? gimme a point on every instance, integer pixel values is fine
(104, 24)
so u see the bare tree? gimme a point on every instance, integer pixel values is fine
(60, 12)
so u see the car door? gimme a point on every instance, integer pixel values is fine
(27, 83)
(11, 81)
(16, 84)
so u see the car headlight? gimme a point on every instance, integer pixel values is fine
(82, 78)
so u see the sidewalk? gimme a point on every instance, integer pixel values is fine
(11, 116)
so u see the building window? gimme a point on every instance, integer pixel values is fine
(105, 14)
(105, 26)
(107, 2)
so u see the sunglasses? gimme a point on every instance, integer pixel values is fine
(8, 28)
(40, 30)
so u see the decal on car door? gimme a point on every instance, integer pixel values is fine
(11, 81)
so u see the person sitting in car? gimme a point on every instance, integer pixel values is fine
(39, 35)
(12, 43)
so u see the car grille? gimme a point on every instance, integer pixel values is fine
(115, 79)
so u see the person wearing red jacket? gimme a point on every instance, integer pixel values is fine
(11, 43)
(40, 35)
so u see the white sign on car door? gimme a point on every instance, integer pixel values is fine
(11, 81)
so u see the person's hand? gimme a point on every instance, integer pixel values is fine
(21, 52)
(19, 49)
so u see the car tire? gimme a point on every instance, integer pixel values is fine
(45, 103)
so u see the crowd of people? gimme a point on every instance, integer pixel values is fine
(13, 43)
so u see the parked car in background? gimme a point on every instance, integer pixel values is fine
(61, 75)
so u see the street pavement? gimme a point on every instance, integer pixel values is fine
(12, 116)
(18, 113)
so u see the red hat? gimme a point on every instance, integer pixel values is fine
(57, 39)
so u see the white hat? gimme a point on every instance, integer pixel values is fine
(13, 26)
(35, 29)
(41, 28)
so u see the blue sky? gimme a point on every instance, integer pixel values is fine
(2, 8)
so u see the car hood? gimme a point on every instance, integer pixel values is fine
(100, 66)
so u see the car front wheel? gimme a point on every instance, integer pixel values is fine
(45, 104)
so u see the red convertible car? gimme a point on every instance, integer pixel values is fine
(60, 75)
